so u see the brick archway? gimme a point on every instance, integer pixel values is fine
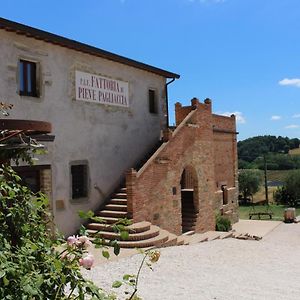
(189, 199)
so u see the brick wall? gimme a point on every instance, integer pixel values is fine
(225, 157)
(154, 192)
(46, 188)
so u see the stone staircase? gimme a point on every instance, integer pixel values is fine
(189, 214)
(141, 234)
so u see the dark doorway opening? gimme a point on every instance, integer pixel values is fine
(188, 210)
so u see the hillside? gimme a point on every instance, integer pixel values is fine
(282, 153)
(254, 147)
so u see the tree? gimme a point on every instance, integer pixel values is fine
(289, 193)
(293, 186)
(249, 183)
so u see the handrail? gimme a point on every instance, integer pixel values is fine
(162, 147)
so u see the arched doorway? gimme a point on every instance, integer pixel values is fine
(189, 207)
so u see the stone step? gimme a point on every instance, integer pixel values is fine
(118, 201)
(145, 235)
(112, 214)
(190, 232)
(194, 239)
(110, 220)
(188, 229)
(116, 207)
(120, 195)
(134, 228)
(180, 241)
(225, 234)
(123, 190)
(189, 221)
(212, 235)
(172, 240)
(189, 215)
(157, 241)
(189, 210)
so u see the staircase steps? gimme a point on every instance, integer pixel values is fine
(212, 235)
(171, 241)
(109, 220)
(134, 228)
(116, 207)
(156, 241)
(152, 232)
(195, 238)
(120, 195)
(180, 240)
(112, 214)
(225, 235)
(118, 201)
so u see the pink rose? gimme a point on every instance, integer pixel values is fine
(85, 241)
(71, 240)
(87, 261)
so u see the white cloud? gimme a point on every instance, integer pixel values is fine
(293, 126)
(296, 116)
(293, 82)
(275, 118)
(238, 115)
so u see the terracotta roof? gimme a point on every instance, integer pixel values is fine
(65, 42)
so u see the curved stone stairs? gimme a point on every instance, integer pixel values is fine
(141, 234)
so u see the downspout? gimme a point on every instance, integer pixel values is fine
(167, 100)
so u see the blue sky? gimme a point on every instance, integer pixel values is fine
(243, 54)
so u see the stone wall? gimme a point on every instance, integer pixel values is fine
(109, 139)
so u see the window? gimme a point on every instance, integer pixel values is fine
(79, 179)
(28, 78)
(31, 179)
(225, 194)
(152, 102)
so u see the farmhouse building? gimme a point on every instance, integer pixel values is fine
(113, 145)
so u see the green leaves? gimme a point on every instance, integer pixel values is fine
(117, 284)
(85, 215)
(30, 266)
(105, 254)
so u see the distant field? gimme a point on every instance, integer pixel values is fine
(295, 151)
(277, 175)
(261, 194)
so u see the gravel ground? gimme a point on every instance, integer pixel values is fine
(222, 269)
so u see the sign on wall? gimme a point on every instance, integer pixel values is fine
(99, 89)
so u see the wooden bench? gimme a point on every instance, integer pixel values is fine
(259, 214)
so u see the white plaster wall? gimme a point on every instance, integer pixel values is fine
(110, 138)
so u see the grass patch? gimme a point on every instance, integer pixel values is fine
(277, 175)
(278, 211)
(295, 151)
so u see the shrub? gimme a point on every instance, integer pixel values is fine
(222, 223)
(30, 265)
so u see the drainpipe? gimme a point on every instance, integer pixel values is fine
(167, 100)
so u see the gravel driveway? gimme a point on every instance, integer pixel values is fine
(221, 269)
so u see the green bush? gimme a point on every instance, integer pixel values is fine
(30, 265)
(222, 223)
